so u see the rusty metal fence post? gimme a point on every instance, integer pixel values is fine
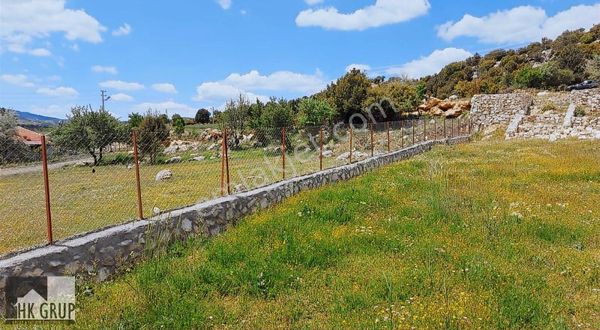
(46, 190)
(445, 134)
(435, 135)
(412, 124)
(283, 150)
(424, 129)
(350, 144)
(321, 148)
(451, 127)
(401, 135)
(387, 128)
(137, 176)
(372, 142)
(225, 164)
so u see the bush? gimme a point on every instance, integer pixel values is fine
(549, 107)
(580, 111)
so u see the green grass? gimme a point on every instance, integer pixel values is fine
(478, 236)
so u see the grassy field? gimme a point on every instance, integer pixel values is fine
(84, 201)
(485, 235)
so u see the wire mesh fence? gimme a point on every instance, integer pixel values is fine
(137, 175)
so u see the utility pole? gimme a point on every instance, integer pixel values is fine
(104, 98)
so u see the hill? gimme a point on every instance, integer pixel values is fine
(572, 57)
(31, 119)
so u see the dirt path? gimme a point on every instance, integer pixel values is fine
(38, 167)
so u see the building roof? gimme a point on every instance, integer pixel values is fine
(28, 137)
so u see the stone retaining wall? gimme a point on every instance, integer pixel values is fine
(103, 253)
(498, 109)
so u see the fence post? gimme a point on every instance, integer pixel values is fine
(401, 135)
(223, 164)
(435, 135)
(137, 176)
(46, 190)
(445, 134)
(387, 128)
(412, 124)
(424, 129)
(470, 125)
(283, 150)
(451, 127)
(321, 148)
(226, 147)
(372, 143)
(350, 143)
(459, 127)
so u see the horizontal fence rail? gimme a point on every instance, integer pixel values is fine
(134, 175)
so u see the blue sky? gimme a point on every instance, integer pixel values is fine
(181, 55)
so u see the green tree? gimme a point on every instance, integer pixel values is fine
(348, 93)
(202, 116)
(135, 119)
(153, 135)
(592, 69)
(178, 124)
(392, 97)
(235, 118)
(314, 112)
(88, 130)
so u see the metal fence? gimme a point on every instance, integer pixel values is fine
(142, 174)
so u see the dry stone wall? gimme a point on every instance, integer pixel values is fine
(544, 115)
(104, 253)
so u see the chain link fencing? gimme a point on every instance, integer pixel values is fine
(138, 175)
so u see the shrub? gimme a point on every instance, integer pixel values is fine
(579, 111)
(549, 107)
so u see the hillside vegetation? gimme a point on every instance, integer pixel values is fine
(572, 57)
(478, 236)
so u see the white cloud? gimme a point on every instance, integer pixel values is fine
(225, 4)
(40, 52)
(58, 92)
(430, 64)
(104, 69)
(219, 92)
(123, 30)
(252, 84)
(122, 85)
(169, 105)
(383, 12)
(22, 21)
(520, 24)
(165, 88)
(361, 67)
(20, 80)
(121, 97)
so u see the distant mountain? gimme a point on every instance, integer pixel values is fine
(32, 119)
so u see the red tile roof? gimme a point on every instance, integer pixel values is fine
(28, 137)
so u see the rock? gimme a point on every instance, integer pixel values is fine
(453, 113)
(186, 225)
(81, 164)
(344, 156)
(198, 159)
(453, 97)
(174, 160)
(155, 211)
(164, 175)
(239, 188)
(445, 105)
(103, 274)
(437, 111)
(327, 153)
(212, 146)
